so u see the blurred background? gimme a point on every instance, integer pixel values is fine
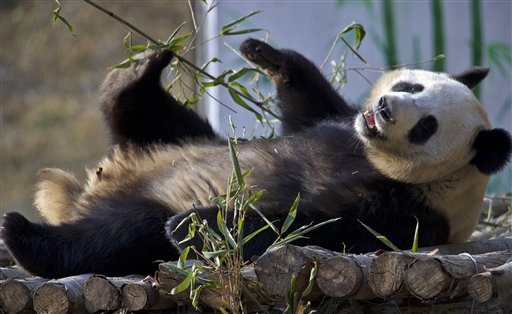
(49, 78)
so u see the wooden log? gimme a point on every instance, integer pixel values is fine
(104, 294)
(61, 296)
(16, 294)
(479, 247)
(345, 276)
(431, 277)
(5, 257)
(387, 273)
(168, 278)
(414, 306)
(145, 295)
(275, 268)
(495, 282)
(13, 272)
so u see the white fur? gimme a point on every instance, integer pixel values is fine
(440, 166)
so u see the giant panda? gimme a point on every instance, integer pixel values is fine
(421, 147)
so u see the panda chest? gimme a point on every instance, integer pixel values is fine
(185, 184)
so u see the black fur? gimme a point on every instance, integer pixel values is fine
(321, 159)
(424, 129)
(493, 150)
(304, 96)
(139, 111)
(121, 236)
(472, 77)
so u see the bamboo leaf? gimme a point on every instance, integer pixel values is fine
(183, 257)
(243, 31)
(224, 230)
(57, 17)
(297, 235)
(184, 284)
(414, 248)
(124, 64)
(358, 30)
(236, 98)
(168, 41)
(312, 278)
(234, 24)
(268, 222)
(379, 236)
(292, 214)
(213, 254)
(196, 293)
(243, 71)
(255, 233)
(236, 166)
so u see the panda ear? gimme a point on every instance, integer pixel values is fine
(472, 76)
(493, 149)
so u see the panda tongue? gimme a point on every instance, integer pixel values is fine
(370, 118)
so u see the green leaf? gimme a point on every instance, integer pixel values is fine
(236, 98)
(213, 254)
(168, 41)
(353, 50)
(195, 294)
(253, 234)
(236, 166)
(312, 278)
(56, 16)
(228, 28)
(124, 64)
(292, 214)
(184, 284)
(268, 222)
(174, 44)
(243, 31)
(243, 71)
(183, 257)
(297, 235)
(224, 230)
(359, 32)
(414, 248)
(379, 236)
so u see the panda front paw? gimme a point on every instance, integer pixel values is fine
(262, 54)
(149, 64)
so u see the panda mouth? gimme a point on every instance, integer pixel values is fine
(370, 126)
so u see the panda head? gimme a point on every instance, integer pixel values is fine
(420, 126)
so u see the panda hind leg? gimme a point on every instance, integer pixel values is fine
(304, 95)
(125, 239)
(138, 110)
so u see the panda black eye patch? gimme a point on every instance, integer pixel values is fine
(407, 87)
(423, 130)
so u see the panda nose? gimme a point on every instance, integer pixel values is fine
(383, 109)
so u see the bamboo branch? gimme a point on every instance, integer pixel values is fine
(131, 27)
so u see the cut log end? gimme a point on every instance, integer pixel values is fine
(426, 279)
(481, 288)
(14, 296)
(52, 298)
(101, 295)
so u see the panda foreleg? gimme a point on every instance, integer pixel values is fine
(125, 239)
(177, 230)
(304, 95)
(138, 110)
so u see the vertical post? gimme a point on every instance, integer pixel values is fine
(438, 35)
